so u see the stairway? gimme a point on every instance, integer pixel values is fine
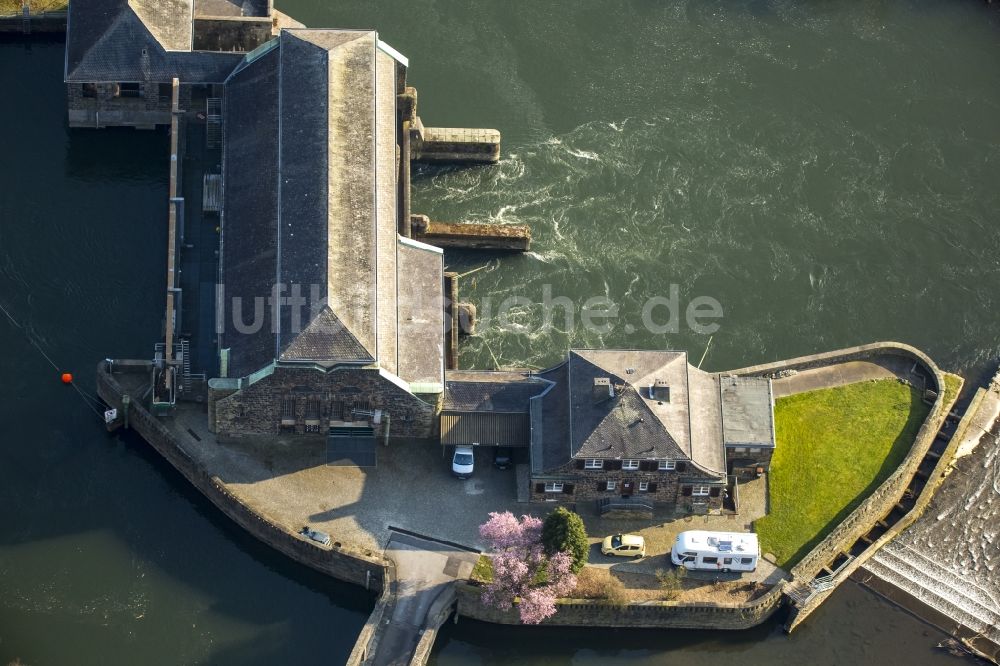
(937, 586)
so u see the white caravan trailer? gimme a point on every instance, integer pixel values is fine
(715, 551)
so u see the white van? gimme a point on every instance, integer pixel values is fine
(715, 551)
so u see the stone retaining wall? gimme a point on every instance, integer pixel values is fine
(884, 498)
(437, 615)
(367, 641)
(648, 614)
(348, 564)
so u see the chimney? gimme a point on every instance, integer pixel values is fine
(660, 390)
(603, 389)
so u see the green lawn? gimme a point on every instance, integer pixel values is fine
(834, 446)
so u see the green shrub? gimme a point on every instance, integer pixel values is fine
(564, 532)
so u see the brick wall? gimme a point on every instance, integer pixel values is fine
(257, 409)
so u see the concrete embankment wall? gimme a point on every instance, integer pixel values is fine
(884, 498)
(648, 614)
(368, 569)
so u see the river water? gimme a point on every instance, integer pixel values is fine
(823, 171)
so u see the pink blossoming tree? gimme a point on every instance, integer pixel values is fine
(521, 570)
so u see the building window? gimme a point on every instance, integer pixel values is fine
(739, 449)
(288, 412)
(630, 464)
(90, 90)
(643, 486)
(611, 485)
(667, 465)
(129, 90)
(593, 463)
(312, 416)
(700, 491)
(553, 487)
(755, 450)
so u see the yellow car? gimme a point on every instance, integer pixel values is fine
(624, 545)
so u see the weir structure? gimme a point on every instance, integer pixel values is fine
(328, 121)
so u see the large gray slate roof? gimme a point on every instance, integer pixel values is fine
(310, 192)
(550, 421)
(137, 41)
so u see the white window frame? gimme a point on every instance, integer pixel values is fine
(553, 487)
(666, 465)
(700, 491)
(644, 486)
(630, 464)
(611, 485)
(593, 463)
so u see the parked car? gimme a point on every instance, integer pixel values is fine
(501, 457)
(315, 535)
(624, 545)
(462, 462)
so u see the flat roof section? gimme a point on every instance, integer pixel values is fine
(747, 411)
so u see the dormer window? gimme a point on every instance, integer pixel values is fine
(593, 463)
(603, 388)
(660, 391)
(667, 465)
(630, 464)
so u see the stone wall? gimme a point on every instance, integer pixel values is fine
(365, 568)
(884, 498)
(257, 409)
(241, 34)
(586, 484)
(101, 105)
(647, 614)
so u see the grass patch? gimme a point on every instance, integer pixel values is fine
(37, 6)
(834, 446)
(952, 385)
(483, 571)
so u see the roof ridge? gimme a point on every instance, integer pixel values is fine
(297, 347)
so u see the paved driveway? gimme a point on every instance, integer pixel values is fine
(424, 569)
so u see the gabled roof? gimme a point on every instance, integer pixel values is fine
(310, 206)
(550, 421)
(325, 339)
(137, 41)
(631, 424)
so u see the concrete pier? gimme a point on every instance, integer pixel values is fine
(470, 236)
(454, 144)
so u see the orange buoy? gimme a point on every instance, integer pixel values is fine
(67, 378)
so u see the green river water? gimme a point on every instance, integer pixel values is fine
(825, 171)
